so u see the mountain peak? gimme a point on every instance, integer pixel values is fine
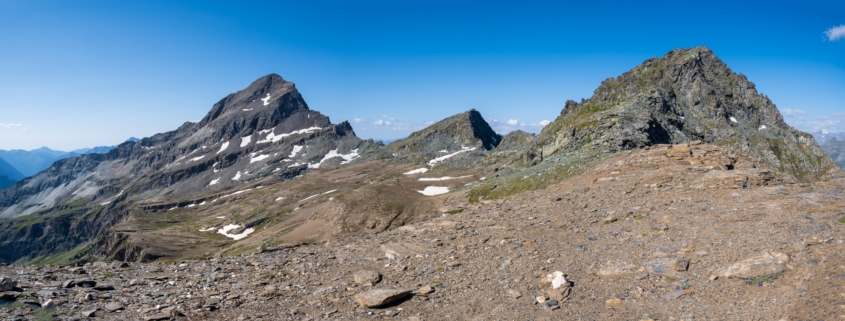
(686, 95)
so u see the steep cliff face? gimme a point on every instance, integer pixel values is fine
(687, 95)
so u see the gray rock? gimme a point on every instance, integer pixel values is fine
(764, 263)
(49, 304)
(112, 306)
(89, 313)
(380, 297)
(7, 284)
(366, 276)
(664, 267)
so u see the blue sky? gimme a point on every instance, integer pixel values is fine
(85, 73)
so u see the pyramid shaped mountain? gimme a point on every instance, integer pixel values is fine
(259, 131)
(464, 132)
(687, 95)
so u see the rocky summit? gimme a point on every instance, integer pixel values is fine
(676, 192)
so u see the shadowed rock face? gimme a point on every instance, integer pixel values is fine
(687, 95)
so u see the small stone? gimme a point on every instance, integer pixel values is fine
(89, 313)
(613, 302)
(89, 297)
(49, 304)
(112, 306)
(380, 297)
(550, 303)
(514, 294)
(68, 284)
(7, 284)
(453, 264)
(104, 287)
(425, 290)
(554, 280)
(366, 276)
(541, 299)
(713, 277)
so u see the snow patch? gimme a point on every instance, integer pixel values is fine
(296, 150)
(417, 171)
(762, 127)
(237, 176)
(315, 195)
(279, 199)
(195, 159)
(223, 147)
(247, 109)
(434, 190)
(225, 231)
(444, 157)
(214, 182)
(245, 140)
(444, 178)
(272, 138)
(333, 153)
(733, 119)
(266, 100)
(258, 158)
(105, 203)
(208, 229)
(191, 205)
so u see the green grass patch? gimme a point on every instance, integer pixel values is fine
(638, 217)
(457, 211)
(842, 220)
(765, 278)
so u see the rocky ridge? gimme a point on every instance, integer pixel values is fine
(684, 96)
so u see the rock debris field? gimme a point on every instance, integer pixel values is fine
(671, 232)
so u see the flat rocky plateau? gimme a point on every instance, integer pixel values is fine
(670, 232)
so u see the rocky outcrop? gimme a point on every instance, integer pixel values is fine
(687, 95)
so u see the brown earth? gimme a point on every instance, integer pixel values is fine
(671, 232)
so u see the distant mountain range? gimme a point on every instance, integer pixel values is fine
(823, 136)
(31, 162)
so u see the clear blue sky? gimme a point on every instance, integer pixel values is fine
(79, 74)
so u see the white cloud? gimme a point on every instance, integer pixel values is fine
(835, 33)
(378, 122)
(357, 120)
(545, 122)
(11, 126)
(513, 122)
(792, 112)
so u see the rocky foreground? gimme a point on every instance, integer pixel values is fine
(671, 232)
